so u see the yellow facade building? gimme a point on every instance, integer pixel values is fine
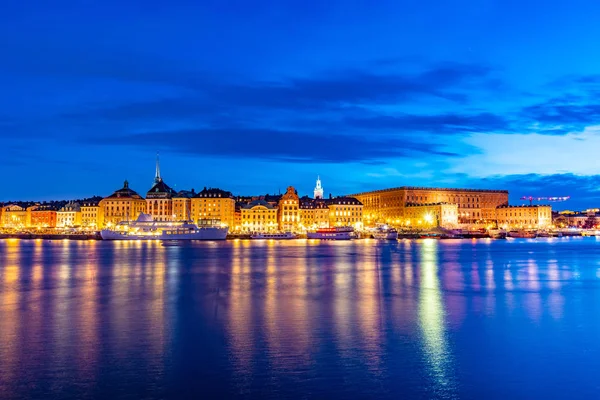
(92, 216)
(69, 216)
(182, 205)
(431, 215)
(214, 204)
(14, 216)
(524, 217)
(345, 211)
(289, 211)
(123, 205)
(259, 216)
(314, 214)
(475, 206)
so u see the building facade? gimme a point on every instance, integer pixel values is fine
(14, 216)
(259, 216)
(314, 214)
(69, 216)
(345, 211)
(182, 205)
(123, 205)
(431, 215)
(289, 211)
(475, 206)
(158, 199)
(524, 217)
(42, 216)
(214, 204)
(92, 216)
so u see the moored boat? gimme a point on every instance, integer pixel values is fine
(497, 233)
(274, 236)
(385, 233)
(522, 234)
(337, 233)
(145, 228)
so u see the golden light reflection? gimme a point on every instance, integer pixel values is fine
(431, 318)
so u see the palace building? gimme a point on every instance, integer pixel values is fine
(123, 205)
(474, 206)
(525, 217)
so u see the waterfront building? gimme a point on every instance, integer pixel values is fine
(318, 192)
(69, 215)
(214, 204)
(182, 205)
(123, 205)
(158, 198)
(42, 216)
(314, 213)
(92, 215)
(259, 216)
(345, 211)
(431, 215)
(524, 217)
(14, 216)
(289, 211)
(475, 206)
(237, 217)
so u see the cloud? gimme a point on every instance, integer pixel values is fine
(278, 145)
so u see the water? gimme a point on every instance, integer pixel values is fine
(298, 319)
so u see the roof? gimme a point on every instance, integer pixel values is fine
(214, 192)
(344, 200)
(185, 194)
(258, 203)
(309, 203)
(442, 203)
(432, 189)
(160, 189)
(125, 193)
(524, 206)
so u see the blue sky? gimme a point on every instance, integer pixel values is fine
(255, 96)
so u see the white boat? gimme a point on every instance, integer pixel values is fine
(522, 234)
(337, 233)
(145, 228)
(385, 233)
(497, 233)
(275, 236)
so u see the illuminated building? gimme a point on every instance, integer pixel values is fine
(345, 211)
(318, 192)
(123, 205)
(430, 215)
(474, 206)
(158, 198)
(42, 216)
(526, 217)
(14, 216)
(182, 205)
(289, 211)
(214, 204)
(92, 215)
(314, 213)
(69, 215)
(259, 216)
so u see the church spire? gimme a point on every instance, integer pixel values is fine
(157, 177)
(318, 189)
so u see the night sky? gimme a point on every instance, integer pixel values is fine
(255, 96)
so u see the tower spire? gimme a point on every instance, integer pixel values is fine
(157, 177)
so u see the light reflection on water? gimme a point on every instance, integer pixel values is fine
(272, 319)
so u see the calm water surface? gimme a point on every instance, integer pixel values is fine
(298, 319)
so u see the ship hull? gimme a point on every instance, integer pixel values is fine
(385, 235)
(213, 233)
(330, 236)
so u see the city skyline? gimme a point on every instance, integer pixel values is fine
(486, 95)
